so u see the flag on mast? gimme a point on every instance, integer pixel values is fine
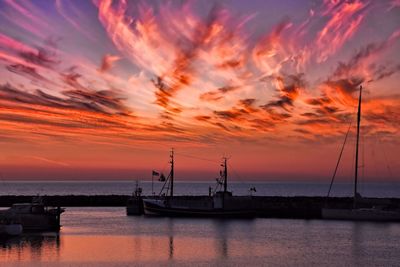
(162, 178)
(154, 173)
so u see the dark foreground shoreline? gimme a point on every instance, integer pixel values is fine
(265, 206)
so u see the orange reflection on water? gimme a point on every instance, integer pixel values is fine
(33, 248)
(123, 249)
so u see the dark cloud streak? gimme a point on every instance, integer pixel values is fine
(106, 102)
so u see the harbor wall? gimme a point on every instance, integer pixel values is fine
(265, 206)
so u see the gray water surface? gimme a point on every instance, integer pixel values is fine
(107, 237)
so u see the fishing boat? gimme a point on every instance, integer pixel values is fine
(362, 209)
(221, 204)
(34, 216)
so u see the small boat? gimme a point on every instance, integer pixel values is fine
(34, 216)
(134, 205)
(361, 214)
(220, 205)
(361, 210)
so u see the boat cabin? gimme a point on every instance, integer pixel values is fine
(27, 208)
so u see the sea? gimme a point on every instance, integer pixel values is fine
(241, 188)
(106, 236)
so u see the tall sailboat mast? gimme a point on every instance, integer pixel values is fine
(358, 137)
(225, 176)
(172, 173)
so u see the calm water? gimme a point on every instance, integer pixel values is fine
(107, 237)
(384, 189)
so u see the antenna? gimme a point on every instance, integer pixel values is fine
(225, 174)
(172, 173)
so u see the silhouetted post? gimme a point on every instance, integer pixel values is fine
(358, 137)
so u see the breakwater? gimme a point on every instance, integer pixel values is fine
(70, 200)
(265, 206)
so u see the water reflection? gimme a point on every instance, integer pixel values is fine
(362, 234)
(171, 238)
(211, 241)
(356, 236)
(107, 237)
(31, 247)
(221, 227)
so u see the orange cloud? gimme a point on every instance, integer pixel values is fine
(107, 62)
(191, 76)
(344, 20)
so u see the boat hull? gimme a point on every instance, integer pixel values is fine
(39, 222)
(48, 220)
(360, 215)
(13, 229)
(134, 206)
(158, 209)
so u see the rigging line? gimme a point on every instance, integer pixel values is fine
(165, 186)
(341, 152)
(361, 156)
(353, 152)
(164, 168)
(385, 155)
(166, 180)
(217, 187)
(241, 180)
(338, 162)
(162, 173)
(353, 147)
(195, 157)
(362, 160)
(373, 155)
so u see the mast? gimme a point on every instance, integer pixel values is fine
(358, 137)
(225, 176)
(172, 173)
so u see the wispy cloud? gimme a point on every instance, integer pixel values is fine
(107, 62)
(175, 71)
(49, 161)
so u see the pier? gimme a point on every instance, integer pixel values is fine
(298, 207)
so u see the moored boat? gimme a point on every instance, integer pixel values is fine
(221, 204)
(361, 214)
(160, 207)
(361, 210)
(34, 216)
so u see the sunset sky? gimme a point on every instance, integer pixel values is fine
(103, 89)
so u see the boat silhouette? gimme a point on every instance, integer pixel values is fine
(363, 209)
(220, 204)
